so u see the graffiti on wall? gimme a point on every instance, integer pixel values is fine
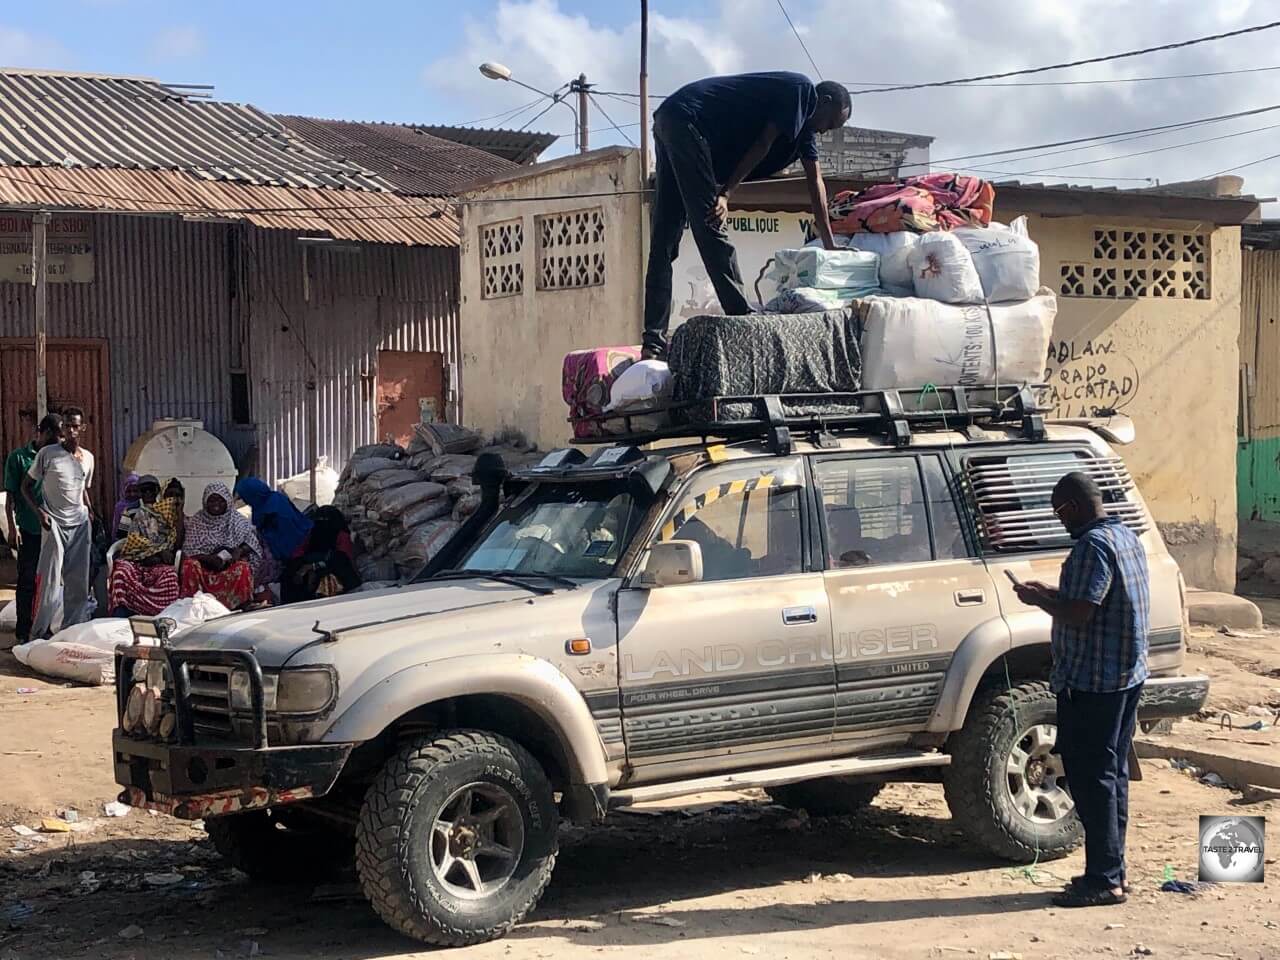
(1089, 377)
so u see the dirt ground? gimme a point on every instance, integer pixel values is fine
(732, 876)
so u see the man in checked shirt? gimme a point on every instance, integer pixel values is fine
(1100, 618)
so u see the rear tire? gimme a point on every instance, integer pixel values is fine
(1005, 787)
(457, 838)
(827, 797)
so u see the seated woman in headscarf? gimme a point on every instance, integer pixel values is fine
(310, 555)
(122, 518)
(220, 551)
(325, 566)
(143, 580)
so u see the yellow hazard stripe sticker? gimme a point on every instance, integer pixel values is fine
(732, 488)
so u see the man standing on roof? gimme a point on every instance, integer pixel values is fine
(709, 136)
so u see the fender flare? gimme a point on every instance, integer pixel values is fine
(534, 683)
(982, 647)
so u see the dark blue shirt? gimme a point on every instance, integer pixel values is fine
(1108, 568)
(731, 112)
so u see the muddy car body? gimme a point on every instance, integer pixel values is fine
(811, 614)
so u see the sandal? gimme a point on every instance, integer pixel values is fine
(1076, 897)
(1077, 882)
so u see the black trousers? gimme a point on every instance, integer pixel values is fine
(28, 562)
(685, 188)
(1094, 734)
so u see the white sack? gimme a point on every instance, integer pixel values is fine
(810, 300)
(1007, 260)
(942, 269)
(912, 342)
(84, 653)
(298, 487)
(645, 383)
(894, 250)
(192, 611)
(825, 269)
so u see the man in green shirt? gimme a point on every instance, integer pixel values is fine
(24, 523)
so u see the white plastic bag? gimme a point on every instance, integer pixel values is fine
(909, 343)
(1007, 260)
(192, 611)
(298, 487)
(942, 269)
(807, 300)
(646, 383)
(854, 270)
(84, 653)
(894, 250)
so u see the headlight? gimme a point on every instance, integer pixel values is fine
(242, 691)
(300, 691)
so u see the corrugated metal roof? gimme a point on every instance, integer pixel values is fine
(413, 161)
(518, 146)
(87, 121)
(362, 216)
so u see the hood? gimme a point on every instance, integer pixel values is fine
(277, 633)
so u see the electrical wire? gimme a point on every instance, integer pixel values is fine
(803, 47)
(504, 115)
(537, 116)
(1062, 83)
(1075, 63)
(602, 110)
(1239, 166)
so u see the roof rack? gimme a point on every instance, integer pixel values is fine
(889, 413)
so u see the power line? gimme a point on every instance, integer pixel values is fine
(1073, 63)
(1023, 173)
(1069, 83)
(1239, 166)
(801, 39)
(537, 116)
(505, 114)
(610, 119)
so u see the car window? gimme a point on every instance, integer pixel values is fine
(1012, 494)
(948, 534)
(874, 510)
(746, 519)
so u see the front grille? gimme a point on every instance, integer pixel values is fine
(210, 701)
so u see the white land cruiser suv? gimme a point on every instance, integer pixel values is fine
(813, 605)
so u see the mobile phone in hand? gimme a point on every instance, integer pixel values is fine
(1012, 578)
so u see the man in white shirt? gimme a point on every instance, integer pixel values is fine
(65, 472)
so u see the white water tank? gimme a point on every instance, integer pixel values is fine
(181, 448)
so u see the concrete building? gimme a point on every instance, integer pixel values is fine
(1149, 317)
(1258, 465)
(292, 285)
(865, 152)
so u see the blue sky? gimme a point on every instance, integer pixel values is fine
(409, 61)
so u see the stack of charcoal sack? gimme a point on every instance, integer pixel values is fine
(925, 290)
(404, 503)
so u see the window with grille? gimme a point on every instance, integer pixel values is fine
(570, 249)
(1130, 263)
(1012, 497)
(501, 259)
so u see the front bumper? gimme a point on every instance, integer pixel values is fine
(192, 782)
(1165, 698)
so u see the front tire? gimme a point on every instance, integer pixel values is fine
(457, 838)
(1005, 787)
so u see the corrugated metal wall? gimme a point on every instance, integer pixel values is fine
(173, 300)
(390, 298)
(160, 298)
(1258, 464)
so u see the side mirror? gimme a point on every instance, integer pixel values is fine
(671, 563)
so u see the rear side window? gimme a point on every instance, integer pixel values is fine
(874, 510)
(1011, 496)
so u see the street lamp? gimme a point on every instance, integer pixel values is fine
(500, 71)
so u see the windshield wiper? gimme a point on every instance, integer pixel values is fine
(511, 580)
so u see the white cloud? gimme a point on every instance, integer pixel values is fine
(19, 48)
(177, 43)
(906, 41)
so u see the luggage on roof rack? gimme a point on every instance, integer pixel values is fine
(891, 413)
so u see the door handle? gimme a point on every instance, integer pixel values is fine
(792, 616)
(970, 598)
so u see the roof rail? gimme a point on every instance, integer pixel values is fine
(774, 417)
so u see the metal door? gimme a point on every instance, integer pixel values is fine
(410, 389)
(78, 376)
(904, 587)
(742, 661)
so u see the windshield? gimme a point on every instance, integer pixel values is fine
(560, 529)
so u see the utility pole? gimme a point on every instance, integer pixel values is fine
(581, 86)
(40, 280)
(644, 91)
